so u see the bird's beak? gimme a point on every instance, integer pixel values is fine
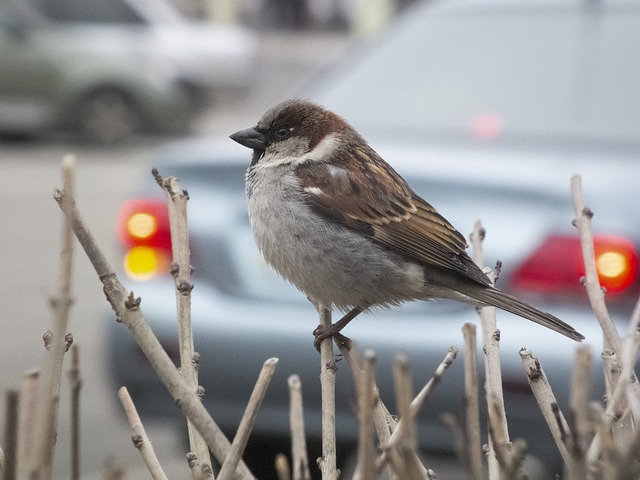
(250, 138)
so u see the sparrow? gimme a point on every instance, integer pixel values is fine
(339, 223)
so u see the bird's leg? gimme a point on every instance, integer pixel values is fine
(321, 332)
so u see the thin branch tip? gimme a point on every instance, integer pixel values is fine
(156, 176)
(68, 161)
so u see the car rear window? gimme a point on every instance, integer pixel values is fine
(559, 73)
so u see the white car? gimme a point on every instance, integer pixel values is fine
(113, 67)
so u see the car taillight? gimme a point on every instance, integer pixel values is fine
(557, 265)
(143, 230)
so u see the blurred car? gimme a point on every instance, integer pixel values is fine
(486, 108)
(109, 68)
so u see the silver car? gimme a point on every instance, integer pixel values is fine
(486, 108)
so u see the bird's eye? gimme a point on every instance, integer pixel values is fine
(283, 133)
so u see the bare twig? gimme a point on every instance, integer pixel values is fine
(591, 282)
(616, 428)
(612, 370)
(633, 334)
(41, 463)
(423, 394)
(456, 435)
(139, 436)
(508, 455)
(579, 405)
(401, 452)
(592, 456)
(26, 421)
(300, 458)
(365, 468)
(626, 434)
(327, 463)
(547, 402)
(181, 271)
(493, 377)
(246, 422)
(128, 311)
(383, 421)
(10, 434)
(617, 410)
(412, 461)
(472, 443)
(406, 438)
(76, 385)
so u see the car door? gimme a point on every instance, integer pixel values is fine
(27, 73)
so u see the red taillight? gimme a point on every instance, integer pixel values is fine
(487, 126)
(143, 229)
(556, 266)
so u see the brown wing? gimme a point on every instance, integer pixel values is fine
(373, 199)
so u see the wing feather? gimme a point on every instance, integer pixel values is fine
(373, 199)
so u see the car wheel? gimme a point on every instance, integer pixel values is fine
(107, 116)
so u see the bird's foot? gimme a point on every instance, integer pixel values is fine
(322, 333)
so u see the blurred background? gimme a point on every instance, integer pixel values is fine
(114, 81)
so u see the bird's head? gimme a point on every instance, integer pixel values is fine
(291, 130)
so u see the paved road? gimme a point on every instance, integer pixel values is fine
(30, 241)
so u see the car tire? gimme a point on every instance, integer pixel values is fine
(107, 116)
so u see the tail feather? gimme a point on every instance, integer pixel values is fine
(493, 296)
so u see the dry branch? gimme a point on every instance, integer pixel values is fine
(472, 458)
(383, 421)
(493, 372)
(181, 272)
(547, 402)
(401, 452)
(76, 385)
(423, 394)
(616, 428)
(128, 311)
(26, 421)
(406, 434)
(10, 434)
(41, 462)
(328, 463)
(579, 407)
(139, 436)
(299, 456)
(365, 468)
(411, 463)
(450, 421)
(591, 282)
(246, 422)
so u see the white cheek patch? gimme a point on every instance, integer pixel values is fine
(323, 150)
(274, 155)
(283, 153)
